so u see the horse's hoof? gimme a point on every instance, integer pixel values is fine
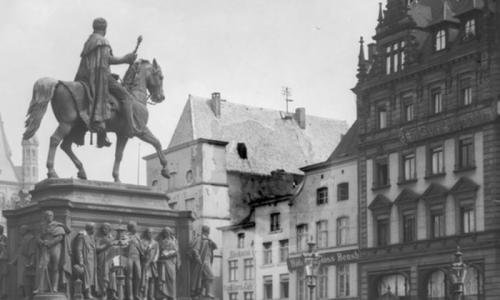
(82, 175)
(52, 175)
(165, 173)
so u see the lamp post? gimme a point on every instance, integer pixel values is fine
(458, 272)
(311, 261)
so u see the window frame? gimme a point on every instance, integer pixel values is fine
(440, 40)
(322, 234)
(343, 276)
(395, 57)
(241, 240)
(233, 295)
(275, 222)
(342, 231)
(267, 257)
(233, 270)
(266, 281)
(411, 158)
(470, 160)
(431, 150)
(322, 195)
(248, 296)
(441, 232)
(343, 191)
(468, 33)
(284, 249)
(322, 290)
(385, 219)
(284, 279)
(434, 92)
(409, 233)
(377, 163)
(248, 269)
(382, 117)
(302, 237)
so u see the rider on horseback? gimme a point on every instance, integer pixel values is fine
(95, 73)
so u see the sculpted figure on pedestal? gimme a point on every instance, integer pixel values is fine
(54, 263)
(168, 262)
(85, 259)
(106, 282)
(25, 262)
(3, 264)
(149, 268)
(133, 271)
(202, 255)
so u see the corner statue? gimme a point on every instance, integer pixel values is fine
(96, 101)
(54, 262)
(202, 256)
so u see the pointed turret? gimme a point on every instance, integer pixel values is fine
(361, 60)
(30, 163)
(380, 14)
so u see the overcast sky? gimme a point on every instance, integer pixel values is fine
(245, 49)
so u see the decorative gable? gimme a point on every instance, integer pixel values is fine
(380, 202)
(464, 185)
(406, 197)
(434, 191)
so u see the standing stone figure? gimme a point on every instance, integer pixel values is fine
(54, 263)
(106, 283)
(134, 254)
(149, 269)
(94, 72)
(168, 263)
(202, 256)
(85, 259)
(25, 262)
(3, 264)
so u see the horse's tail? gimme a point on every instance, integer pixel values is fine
(43, 91)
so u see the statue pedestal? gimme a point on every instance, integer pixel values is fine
(76, 202)
(48, 296)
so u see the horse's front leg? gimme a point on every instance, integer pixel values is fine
(121, 142)
(59, 134)
(149, 138)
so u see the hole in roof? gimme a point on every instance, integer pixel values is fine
(242, 150)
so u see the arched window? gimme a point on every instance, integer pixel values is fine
(437, 286)
(473, 284)
(396, 284)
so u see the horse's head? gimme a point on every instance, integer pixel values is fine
(143, 77)
(154, 83)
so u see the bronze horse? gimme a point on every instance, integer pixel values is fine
(66, 98)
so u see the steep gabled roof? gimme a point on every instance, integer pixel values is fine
(380, 201)
(464, 185)
(7, 168)
(348, 146)
(272, 141)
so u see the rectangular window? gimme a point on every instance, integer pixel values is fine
(468, 220)
(342, 231)
(241, 240)
(437, 160)
(409, 167)
(322, 195)
(470, 28)
(268, 287)
(465, 153)
(322, 234)
(343, 191)
(248, 295)
(343, 289)
(409, 113)
(466, 92)
(248, 273)
(283, 250)
(440, 40)
(268, 253)
(395, 57)
(275, 222)
(302, 237)
(382, 232)
(322, 289)
(284, 286)
(409, 228)
(233, 296)
(437, 101)
(382, 118)
(381, 173)
(302, 292)
(437, 224)
(233, 269)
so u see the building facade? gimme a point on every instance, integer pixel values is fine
(16, 181)
(222, 155)
(429, 159)
(325, 211)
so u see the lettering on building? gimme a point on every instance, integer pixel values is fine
(332, 258)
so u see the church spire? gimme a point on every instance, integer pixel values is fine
(380, 14)
(361, 59)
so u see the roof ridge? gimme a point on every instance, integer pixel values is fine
(193, 127)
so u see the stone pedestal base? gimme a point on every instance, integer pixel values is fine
(78, 202)
(47, 296)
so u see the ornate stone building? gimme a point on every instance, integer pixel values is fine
(16, 181)
(429, 167)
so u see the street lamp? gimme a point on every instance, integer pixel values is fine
(311, 261)
(458, 273)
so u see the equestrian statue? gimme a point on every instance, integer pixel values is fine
(97, 101)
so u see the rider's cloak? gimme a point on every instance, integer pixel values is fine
(94, 72)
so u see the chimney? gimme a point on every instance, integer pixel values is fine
(300, 117)
(215, 104)
(372, 50)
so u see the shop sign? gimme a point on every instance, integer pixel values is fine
(330, 258)
(240, 253)
(420, 132)
(236, 287)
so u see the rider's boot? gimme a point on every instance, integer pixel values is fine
(102, 139)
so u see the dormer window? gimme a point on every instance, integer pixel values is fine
(440, 40)
(395, 57)
(470, 28)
